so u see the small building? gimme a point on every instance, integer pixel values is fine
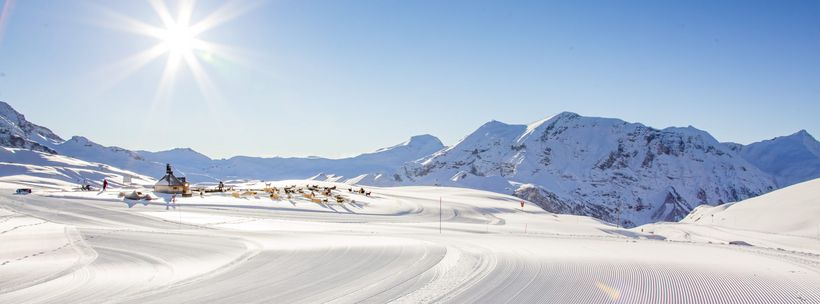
(172, 184)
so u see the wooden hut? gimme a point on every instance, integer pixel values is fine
(172, 184)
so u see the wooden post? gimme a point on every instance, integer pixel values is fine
(439, 215)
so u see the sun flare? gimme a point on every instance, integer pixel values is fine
(178, 40)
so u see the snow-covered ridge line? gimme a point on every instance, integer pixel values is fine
(604, 167)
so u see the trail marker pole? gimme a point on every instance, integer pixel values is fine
(439, 215)
(525, 228)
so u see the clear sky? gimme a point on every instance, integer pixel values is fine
(337, 78)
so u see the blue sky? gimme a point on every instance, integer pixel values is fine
(338, 78)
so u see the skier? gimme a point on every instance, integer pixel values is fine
(105, 184)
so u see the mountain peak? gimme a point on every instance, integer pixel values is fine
(803, 134)
(5, 107)
(790, 159)
(424, 139)
(81, 139)
(17, 132)
(493, 123)
(566, 114)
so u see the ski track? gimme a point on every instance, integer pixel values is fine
(116, 255)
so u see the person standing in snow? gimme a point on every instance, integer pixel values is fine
(105, 184)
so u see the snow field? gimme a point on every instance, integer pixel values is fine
(221, 249)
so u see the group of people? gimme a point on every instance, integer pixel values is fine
(87, 187)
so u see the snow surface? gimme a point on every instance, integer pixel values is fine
(24, 168)
(90, 247)
(606, 168)
(787, 218)
(602, 167)
(789, 159)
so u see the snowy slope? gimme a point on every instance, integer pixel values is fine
(82, 148)
(790, 159)
(200, 168)
(385, 159)
(786, 219)
(793, 210)
(601, 167)
(34, 169)
(606, 168)
(17, 132)
(400, 245)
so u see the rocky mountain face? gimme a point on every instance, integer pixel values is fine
(82, 148)
(200, 168)
(385, 159)
(17, 132)
(788, 159)
(607, 168)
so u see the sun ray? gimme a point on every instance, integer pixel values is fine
(186, 8)
(225, 13)
(178, 40)
(128, 24)
(202, 79)
(123, 69)
(162, 11)
(232, 54)
(213, 98)
(167, 80)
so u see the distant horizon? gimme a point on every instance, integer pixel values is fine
(68, 137)
(333, 78)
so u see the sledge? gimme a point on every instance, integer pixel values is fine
(135, 195)
(23, 191)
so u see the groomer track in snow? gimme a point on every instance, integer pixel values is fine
(94, 248)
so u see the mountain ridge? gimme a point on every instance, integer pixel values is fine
(614, 170)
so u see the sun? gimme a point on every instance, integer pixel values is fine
(178, 40)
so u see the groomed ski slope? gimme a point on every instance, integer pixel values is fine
(788, 219)
(69, 247)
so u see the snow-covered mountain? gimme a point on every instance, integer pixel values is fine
(17, 132)
(792, 210)
(789, 159)
(385, 159)
(82, 148)
(198, 167)
(30, 168)
(606, 168)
